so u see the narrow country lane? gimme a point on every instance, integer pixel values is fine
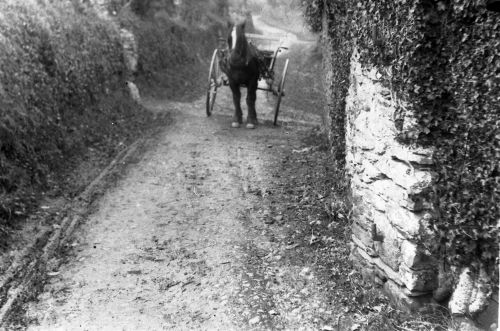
(187, 239)
(123, 206)
(177, 244)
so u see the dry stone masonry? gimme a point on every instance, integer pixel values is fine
(387, 182)
(390, 180)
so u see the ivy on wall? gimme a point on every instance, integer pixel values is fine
(442, 58)
(336, 25)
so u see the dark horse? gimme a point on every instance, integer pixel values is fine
(242, 69)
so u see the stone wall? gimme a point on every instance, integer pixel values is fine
(388, 180)
(433, 55)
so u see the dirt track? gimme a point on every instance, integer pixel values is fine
(169, 246)
(192, 237)
(187, 239)
(183, 242)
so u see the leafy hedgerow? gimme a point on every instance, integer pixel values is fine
(62, 76)
(442, 57)
(58, 60)
(175, 42)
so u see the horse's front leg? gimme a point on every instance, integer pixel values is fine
(251, 97)
(238, 115)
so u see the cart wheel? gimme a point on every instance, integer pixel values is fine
(213, 77)
(281, 92)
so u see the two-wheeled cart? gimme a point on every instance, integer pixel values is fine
(268, 48)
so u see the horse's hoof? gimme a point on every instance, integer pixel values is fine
(250, 126)
(235, 125)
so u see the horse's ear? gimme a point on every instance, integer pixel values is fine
(243, 24)
(229, 25)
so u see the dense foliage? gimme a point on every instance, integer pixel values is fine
(62, 83)
(58, 62)
(175, 39)
(190, 12)
(442, 57)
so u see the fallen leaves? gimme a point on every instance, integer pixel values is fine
(304, 272)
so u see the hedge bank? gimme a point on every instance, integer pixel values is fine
(62, 84)
(61, 90)
(442, 58)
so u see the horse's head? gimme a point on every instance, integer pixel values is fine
(240, 52)
(236, 38)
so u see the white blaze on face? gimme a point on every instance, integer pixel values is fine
(233, 37)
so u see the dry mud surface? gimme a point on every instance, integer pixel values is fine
(177, 243)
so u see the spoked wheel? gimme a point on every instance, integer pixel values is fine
(213, 82)
(281, 92)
